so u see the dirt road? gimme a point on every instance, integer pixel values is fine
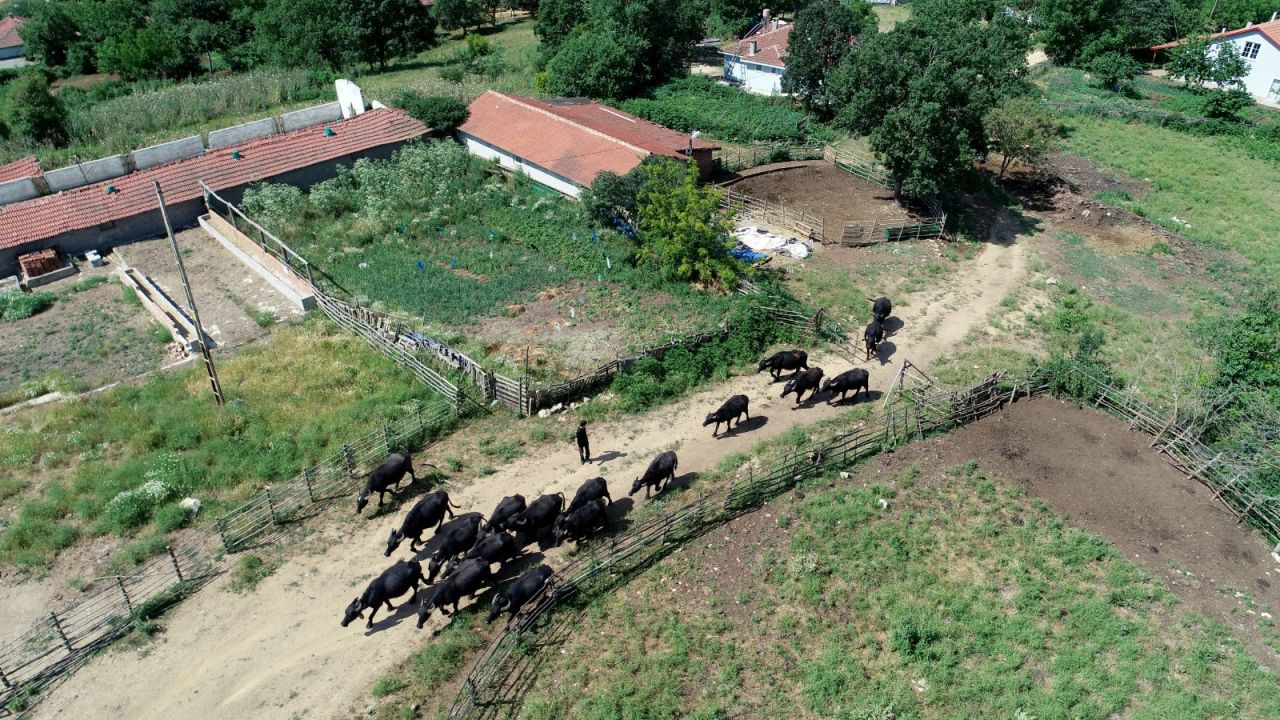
(279, 652)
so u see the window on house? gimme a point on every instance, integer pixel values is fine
(1250, 51)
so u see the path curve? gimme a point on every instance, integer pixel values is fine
(279, 652)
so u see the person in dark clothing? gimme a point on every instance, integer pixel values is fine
(584, 446)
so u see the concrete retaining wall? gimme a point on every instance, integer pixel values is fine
(168, 152)
(242, 133)
(16, 190)
(269, 268)
(86, 173)
(306, 117)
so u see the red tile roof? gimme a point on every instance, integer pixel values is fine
(260, 159)
(771, 47)
(26, 167)
(574, 138)
(1269, 30)
(9, 31)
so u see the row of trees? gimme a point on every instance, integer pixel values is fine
(173, 38)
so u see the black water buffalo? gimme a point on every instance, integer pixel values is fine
(428, 512)
(593, 489)
(881, 308)
(580, 523)
(458, 536)
(662, 468)
(518, 593)
(385, 478)
(467, 580)
(540, 514)
(728, 412)
(794, 360)
(856, 380)
(508, 509)
(806, 381)
(498, 548)
(872, 337)
(392, 583)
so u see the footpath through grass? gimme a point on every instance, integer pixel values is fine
(118, 463)
(961, 598)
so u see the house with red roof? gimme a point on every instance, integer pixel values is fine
(757, 61)
(565, 143)
(123, 209)
(10, 42)
(1259, 45)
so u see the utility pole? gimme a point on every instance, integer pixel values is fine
(191, 301)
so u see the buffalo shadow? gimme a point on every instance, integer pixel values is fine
(852, 399)
(891, 325)
(755, 423)
(884, 352)
(404, 611)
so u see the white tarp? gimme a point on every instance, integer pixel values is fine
(765, 241)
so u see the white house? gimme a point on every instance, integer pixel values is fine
(1259, 45)
(757, 61)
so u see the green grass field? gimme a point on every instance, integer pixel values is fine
(963, 599)
(65, 467)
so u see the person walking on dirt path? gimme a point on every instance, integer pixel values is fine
(584, 446)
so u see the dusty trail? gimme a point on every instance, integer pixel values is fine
(279, 652)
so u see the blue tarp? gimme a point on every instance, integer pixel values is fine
(742, 252)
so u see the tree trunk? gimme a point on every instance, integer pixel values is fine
(1004, 164)
(897, 190)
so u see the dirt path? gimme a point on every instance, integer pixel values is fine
(279, 652)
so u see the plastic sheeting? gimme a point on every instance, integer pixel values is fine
(764, 241)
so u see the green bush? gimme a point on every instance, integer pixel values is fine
(695, 103)
(442, 114)
(20, 305)
(171, 517)
(250, 570)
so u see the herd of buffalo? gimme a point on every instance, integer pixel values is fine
(469, 544)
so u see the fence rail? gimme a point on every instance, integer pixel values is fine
(733, 159)
(798, 222)
(859, 165)
(504, 672)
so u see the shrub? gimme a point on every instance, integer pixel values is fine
(172, 517)
(441, 114)
(389, 685)
(20, 305)
(250, 570)
(1114, 71)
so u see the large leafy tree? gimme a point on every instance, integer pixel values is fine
(1202, 66)
(31, 112)
(139, 53)
(556, 21)
(387, 29)
(48, 34)
(303, 33)
(454, 14)
(1076, 31)
(921, 91)
(684, 233)
(824, 33)
(657, 35)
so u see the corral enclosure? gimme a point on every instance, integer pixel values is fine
(943, 581)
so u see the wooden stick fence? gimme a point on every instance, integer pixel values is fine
(68, 636)
(797, 222)
(733, 159)
(859, 165)
(506, 670)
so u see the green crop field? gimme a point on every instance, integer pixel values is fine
(963, 599)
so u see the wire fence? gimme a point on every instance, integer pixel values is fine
(496, 683)
(733, 159)
(859, 165)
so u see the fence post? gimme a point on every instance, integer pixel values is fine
(127, 602)
(5, 679)
(457, 401)
(271, 508)
(58, 626)
(386, 437)
(306, 478)
(177, 570)
(222, 532)
(421, 429)
(346, 460)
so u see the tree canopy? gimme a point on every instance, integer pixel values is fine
(824, 33)
(921, 92)
(684, 233)
(1021, 129)
(30, 110)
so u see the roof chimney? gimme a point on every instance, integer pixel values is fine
(767, 15)
(754, 47)
(1275, 15)
(1249, 24)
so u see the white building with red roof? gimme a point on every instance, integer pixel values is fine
(123, 209)
(757, 61)
(1259, 45)
(565, 143)
(11, 44)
